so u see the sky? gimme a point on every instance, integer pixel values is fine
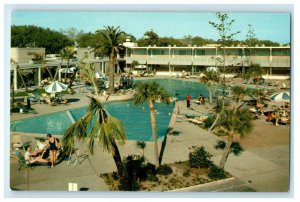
(267, 26)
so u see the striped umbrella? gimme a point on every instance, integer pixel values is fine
(56, 87)
(280, 97)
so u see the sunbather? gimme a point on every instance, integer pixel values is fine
(41, 146)
(30, 159)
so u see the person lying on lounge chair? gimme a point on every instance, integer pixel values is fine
(40, 147)
(30, 159)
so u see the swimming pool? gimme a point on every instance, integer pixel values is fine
(180, 88)
(136, 118)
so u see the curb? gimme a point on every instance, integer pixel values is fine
(191, 188)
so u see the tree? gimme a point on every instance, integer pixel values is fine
(109, 46)
(250, 39)
(150, 38)
(67, 54)
(40, 59)
(98, 126)
(210, 77)
(88, 73)
(151, 91)
(254, 71)
(238, 93)
(72, 33)
(33, 36)
(236, 123)
(226, 35)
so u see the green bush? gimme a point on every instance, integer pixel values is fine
(209, 121)
(186, 174)
(199, 158)
(152, 178)
(164, 170)
(216, 173)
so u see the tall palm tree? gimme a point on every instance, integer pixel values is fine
(151, 91)
(110, 37)
(236, 123)
(98, 126)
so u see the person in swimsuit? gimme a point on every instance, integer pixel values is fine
(52, 142)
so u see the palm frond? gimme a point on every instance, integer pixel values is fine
(118, 128)
(105, 137)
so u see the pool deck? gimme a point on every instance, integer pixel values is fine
(264, 166)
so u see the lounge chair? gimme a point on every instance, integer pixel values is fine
(26, 164)
(21, 160)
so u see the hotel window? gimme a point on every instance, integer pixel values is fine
(182, 52)
(210, 52)
(199, 52)
(281, 52)
(140, 51)
(261, 52)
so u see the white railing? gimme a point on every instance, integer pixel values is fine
(264, 61)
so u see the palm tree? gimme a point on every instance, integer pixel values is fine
(141, 145)
(40, 59)
(210, 77)
(254, 71)
(218, 108)
(67, 54)
(238, 93)
(111, 37)
(151, 91)
(88, 72)
(236, 123)
(104, 130)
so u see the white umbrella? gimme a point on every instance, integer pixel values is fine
(140, 67)
(100, 75)
(56, 87)
(65, 70)
(210, 69)
(280, 97)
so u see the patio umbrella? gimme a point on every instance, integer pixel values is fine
(56, 87)
(280, 97)
(70, 70)
(214, 69)
(140, 67)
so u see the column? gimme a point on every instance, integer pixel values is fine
(15, 79)
(59, 72)
(271, 60)
(39, 75)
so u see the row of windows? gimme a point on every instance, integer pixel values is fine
(239, 52)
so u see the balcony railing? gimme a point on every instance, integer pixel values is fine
(264, 61)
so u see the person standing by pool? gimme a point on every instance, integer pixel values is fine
(52, 143)
(188, 101)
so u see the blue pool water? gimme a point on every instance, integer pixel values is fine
(54, 123)
(136, 118)
(180, 88)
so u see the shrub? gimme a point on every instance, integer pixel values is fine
(199, 158)
(216, 173)
(152, 178)
(209, 121)
(186, 174)
(164, 170)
